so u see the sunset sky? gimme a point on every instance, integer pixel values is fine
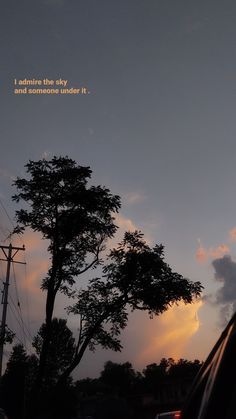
(157, 127)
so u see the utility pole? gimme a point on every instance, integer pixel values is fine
(12, 251)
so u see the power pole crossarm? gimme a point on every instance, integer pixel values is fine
(12, 251)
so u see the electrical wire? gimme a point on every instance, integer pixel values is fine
(23, 338)
(25, 275)
(5, 211)
(11, 222)
(24, 327)
(12, 304)
(27, 295)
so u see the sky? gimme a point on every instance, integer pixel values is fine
(156, 126)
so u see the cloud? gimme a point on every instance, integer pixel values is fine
(125, 224)
(203, 254)
(232, 235)
(219, 251)
(134, 197)
(171, 332)
(225, 273)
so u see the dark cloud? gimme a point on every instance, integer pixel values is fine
(225, 273)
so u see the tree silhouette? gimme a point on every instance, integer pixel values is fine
(60, 352)
(185, 368)
(136, 278)
(153, 376)
(75, 218)
(118, 377)
(17, 382)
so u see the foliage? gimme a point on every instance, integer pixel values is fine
(184, 368)
(60, 352)
(119, 377)
(9, 335)
(74, 217)
(136, 278)
(77, 219)
(17, 381)
(122, 384)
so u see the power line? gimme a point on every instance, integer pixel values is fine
(27, 295)
(8, 216)
(25, 330)
(25, 337)
(10, 233)
(18, 318)
(12, 251)
(18, 300)
(11, 305)
(18, 306)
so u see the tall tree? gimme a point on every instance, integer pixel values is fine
(136, 278)
(74, 217)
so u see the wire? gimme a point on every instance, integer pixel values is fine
(23, 337)
(24, 327)
(8, 216)
(11, 222)
(3, 234)
(27, 295)
(17, 312)
(19, 321)
(18, 301)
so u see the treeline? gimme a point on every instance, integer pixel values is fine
(119, 390)
(122, 379)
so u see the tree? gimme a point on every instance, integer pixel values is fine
(17, 381)
(153, 376)
(169, 370)
(77, 219)
(136, 278)
(74, 217)
(60, 352)
(118, 377)
(184, 368)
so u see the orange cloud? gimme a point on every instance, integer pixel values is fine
(219, 251)
(171, 333)
(203, 254)
(124, 224)
(232, 235)
(134, 197)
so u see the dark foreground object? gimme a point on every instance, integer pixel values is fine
(213, 394)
